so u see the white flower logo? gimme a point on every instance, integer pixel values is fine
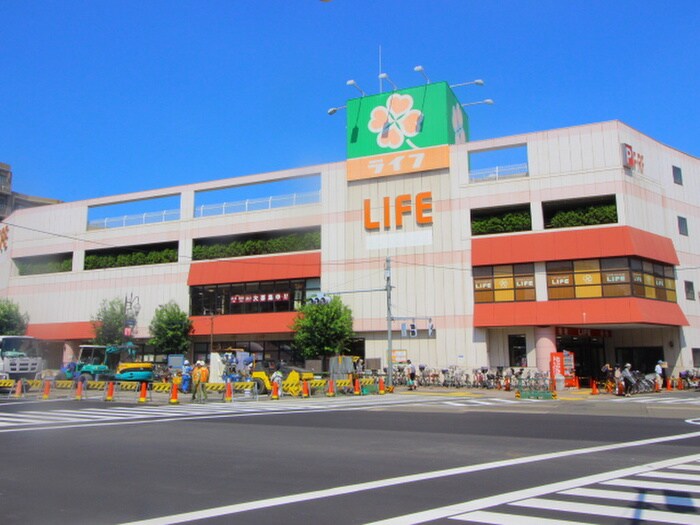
(396, 122)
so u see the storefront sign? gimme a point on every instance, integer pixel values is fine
(403, 131)
(402, 205)
(583, 332)
(260, 297)
(632, 159)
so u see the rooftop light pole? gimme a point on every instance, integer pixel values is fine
(485, 101)
(354, 84)
(333, 111)
(419, 69)
(477, 82)
(384, 76)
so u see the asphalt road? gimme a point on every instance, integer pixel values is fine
(403, 459)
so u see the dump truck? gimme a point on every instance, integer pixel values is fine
(20, 357)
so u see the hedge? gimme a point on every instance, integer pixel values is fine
(586, 216)
(140, 258)
(294, 242)
(505, 223)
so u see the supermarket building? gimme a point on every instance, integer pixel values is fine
(585, 244)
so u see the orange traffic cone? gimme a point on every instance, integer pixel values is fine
(357, 391)
(594, 387)
(669, 386)
(382, 389)
(507, 384)
(275, 391)
(19, 391)
(143, 394)
(173, 395)
(79, 391)
(109, 395)
(621, 388)
(657, 387)
(679, 384)
(305, 389)
(228, 396)
(331, 388)
(47, 389)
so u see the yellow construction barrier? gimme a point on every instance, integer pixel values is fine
(7, 383)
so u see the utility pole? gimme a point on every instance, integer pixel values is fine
(389, 351)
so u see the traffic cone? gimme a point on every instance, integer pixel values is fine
(507, 384)
(382, 390)
(669, 386)
(305, 389)
(79, 391)
(19, 391)
(143, 395)
(594, 387)
(109, 393)
(679, 384)
(331, 388)
(47, 389)
(657, 387)
(621, 388)
(357, 391)
(173, 395)
(228, 396)
(275, 390)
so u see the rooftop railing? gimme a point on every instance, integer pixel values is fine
(208, 210)
(513, 171)
(266, 203)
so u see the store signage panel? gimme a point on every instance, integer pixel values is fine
(403, 131)
(632, 159)
(391, 214)
(260, 297)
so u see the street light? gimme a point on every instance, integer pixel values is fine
(485, 101)
(384, 76)
(333, 111)
(477, 82)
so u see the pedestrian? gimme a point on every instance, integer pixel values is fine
(202, 395)
(659, 371)
(628, 378)
(411, 368)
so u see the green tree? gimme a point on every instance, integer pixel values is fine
(109, 322)
(170, 329)
(12, 321)
(323, 329)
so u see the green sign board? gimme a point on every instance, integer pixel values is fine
(407, 119)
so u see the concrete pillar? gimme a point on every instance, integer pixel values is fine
(545, 344)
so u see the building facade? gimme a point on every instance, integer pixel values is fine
(586, 244)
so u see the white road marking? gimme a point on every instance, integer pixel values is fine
(448, 511)
(629, 513)
(496, 518)
(619, 495)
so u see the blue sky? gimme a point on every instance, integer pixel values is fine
(106, 97)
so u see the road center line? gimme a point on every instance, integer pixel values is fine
(412, 478)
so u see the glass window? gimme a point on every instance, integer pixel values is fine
(677, 175)
(689, 290)
(683, 226)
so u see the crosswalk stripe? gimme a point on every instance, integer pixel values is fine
(679, 476)
(678, 501)
(691, 466)
(639, 515)
(497, 518)
(646, 484)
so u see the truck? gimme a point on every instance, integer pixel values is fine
(20, 357)
(98, 362)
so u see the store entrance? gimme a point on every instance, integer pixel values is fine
(589, 353)
(642, 358)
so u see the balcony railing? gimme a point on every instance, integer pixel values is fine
(513, 171)
(207, 210)
(266, 203)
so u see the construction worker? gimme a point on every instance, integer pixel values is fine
(202, 384)
(196, 378)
